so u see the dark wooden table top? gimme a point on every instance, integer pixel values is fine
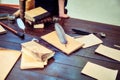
(61, 66)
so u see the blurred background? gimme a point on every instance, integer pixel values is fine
(103, 11)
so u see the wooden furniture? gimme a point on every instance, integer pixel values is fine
(61, 66)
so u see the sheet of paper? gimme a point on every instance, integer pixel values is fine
(99, 72)
(28, 62)
(34, 55)
(71, 46)
(38, 26)
(2, 30)
(7, 60)
(108, 52)
(89, 40)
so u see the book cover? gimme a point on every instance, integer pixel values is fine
(36, 14)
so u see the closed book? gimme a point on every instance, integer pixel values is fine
(36, 14)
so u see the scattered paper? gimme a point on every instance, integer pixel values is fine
(2, 30)
(108, 52)
(28, 62)
(99, 72)
(37, 26)
(34, 55)
(8, 59)
(89, 40)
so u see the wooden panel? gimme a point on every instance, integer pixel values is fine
(68, 48)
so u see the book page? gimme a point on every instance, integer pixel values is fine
(108, 52)
(99, 72)
(89, 40)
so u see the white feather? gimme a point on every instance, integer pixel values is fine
(20, 24)
(60, 33)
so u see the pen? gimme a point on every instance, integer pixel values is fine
(21, 35)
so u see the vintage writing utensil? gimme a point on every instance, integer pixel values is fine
(19, 34)
(20, 24)
(81, 32)
(7, 16)
(60, 33)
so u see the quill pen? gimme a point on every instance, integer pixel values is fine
(60, 33)
(21, 24)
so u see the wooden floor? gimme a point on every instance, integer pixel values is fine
(61, 66)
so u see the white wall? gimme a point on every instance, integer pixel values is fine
(10, 1)
(104, 11)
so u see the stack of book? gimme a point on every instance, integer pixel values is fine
(34, 55)
(34, 16)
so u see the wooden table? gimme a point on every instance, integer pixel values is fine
(61, 66)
